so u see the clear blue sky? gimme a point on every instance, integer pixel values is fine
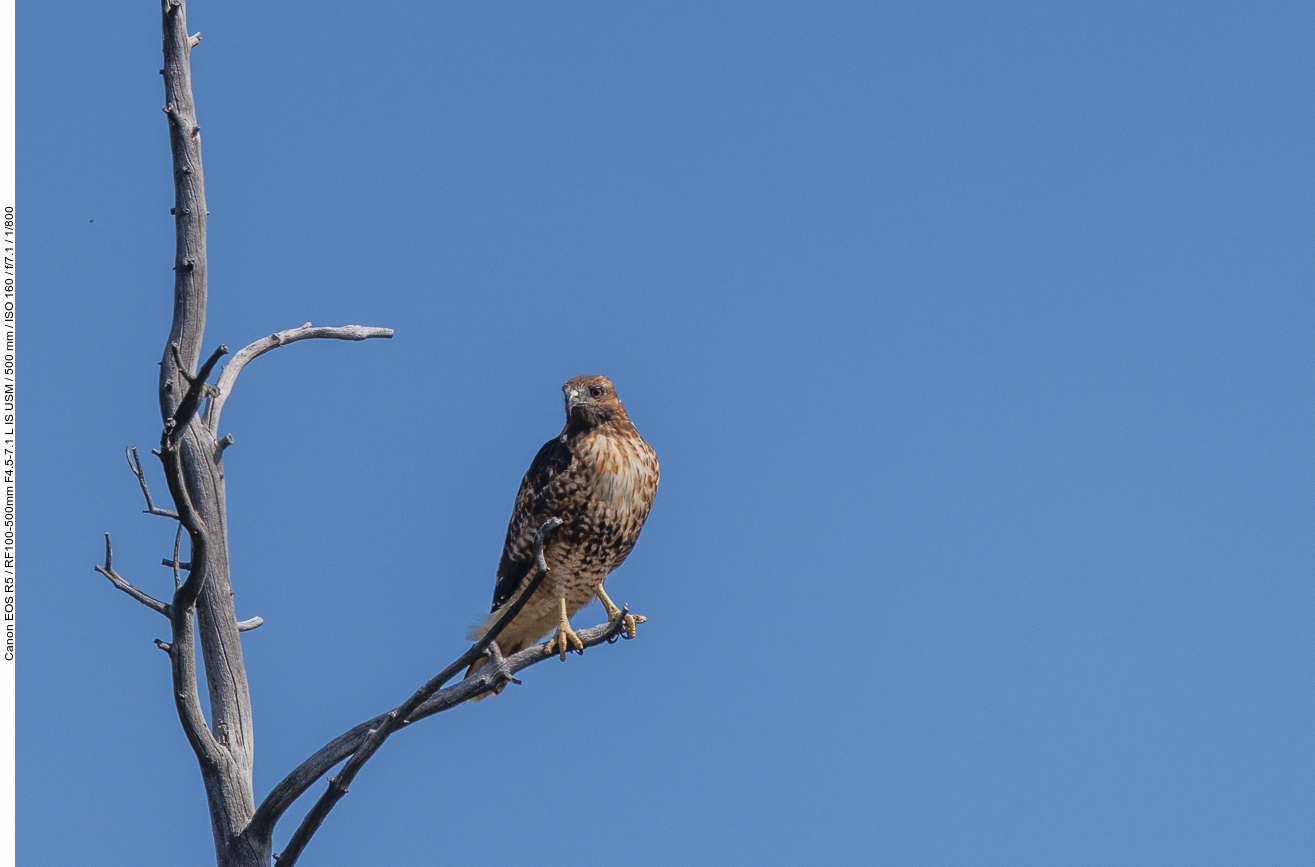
(975, 341)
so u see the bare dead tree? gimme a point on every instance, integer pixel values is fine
(192, 455)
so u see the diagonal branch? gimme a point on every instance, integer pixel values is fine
(135, 464)
(376, 731)
(108, 571)
(486, 680)
(196, 388)
(228, 375)
(499, 672)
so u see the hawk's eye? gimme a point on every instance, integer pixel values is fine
(596, 391)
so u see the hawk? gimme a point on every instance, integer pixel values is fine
(599, 477)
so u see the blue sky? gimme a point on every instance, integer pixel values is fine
(974, 340)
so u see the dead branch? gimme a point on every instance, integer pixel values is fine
(108, 571)
(135, 464)
(196, 389)
(379, 729)
(488, 679)
(201, 608)
(177, 565)
(228, 376)
(182, 654)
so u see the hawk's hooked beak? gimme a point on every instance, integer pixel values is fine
(573, 400)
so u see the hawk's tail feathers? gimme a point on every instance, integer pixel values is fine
(475, 634)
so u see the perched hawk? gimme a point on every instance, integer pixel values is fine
(599, 477)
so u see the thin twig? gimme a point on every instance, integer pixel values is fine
(135, 464)
(392, 720)
(224, 386)
(248, 625)
(108, 571)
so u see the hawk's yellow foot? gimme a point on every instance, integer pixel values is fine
(632, 620)
(565, 638)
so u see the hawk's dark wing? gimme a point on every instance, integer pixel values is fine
(536, 502)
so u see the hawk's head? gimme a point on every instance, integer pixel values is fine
(592, 400)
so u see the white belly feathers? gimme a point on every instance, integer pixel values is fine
(618, 471)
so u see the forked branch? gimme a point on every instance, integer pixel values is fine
(201, 604)
(135, 464)
(486, 680)
(108, 571)
(278, 801)
(359, 744)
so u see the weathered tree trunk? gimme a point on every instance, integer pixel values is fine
(227, 771)
(192, 455)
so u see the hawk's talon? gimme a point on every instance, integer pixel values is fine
(565, 638)
(563, 641)
(631, 620)
(632, 623)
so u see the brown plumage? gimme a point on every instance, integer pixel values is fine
(599, 477)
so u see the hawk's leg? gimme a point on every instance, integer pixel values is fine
(613, 612)
(565, 638)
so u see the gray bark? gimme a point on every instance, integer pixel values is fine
(226, 751)
(194, 467)
(192, 455)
